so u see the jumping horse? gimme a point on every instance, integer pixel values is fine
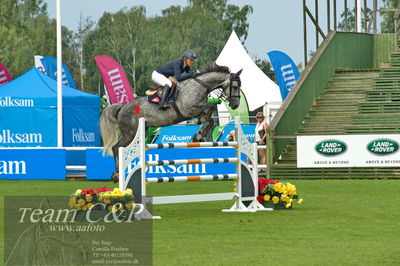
(119, 122)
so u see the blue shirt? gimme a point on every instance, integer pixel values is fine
(175, 68)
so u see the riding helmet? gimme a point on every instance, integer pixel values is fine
(189, 54)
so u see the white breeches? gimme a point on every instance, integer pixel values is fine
(160, 79)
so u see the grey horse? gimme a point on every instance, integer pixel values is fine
(119, 123)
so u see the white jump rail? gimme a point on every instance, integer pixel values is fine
(246, 176)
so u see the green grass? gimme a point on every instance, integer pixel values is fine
(341, 222)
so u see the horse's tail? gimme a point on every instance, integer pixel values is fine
(109, 128)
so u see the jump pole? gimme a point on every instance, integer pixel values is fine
(247, 180)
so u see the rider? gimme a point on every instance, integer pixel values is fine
(174, 68)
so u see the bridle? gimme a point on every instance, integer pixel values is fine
(220, 91)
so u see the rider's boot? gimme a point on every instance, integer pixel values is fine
(164, 96)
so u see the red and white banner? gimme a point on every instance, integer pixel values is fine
(5, 76)
(117, 85)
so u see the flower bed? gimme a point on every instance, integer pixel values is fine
(102, 199)
(277, 195)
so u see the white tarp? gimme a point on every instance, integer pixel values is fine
(256, 85)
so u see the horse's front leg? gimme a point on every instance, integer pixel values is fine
(206, 123)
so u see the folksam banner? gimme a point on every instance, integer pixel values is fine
(50, 66)
(4, 74)
(285, 70)
(177, 134)
(118, 88)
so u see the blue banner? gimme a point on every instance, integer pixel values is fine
(28, 164)
(50, 66)
(101, 167)
(81, 128)
(248, 130)
(22, 127)
(177, 134)
(98, 167)
(188, 169)
(285, 70)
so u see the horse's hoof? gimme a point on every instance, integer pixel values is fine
(196, 138)
(115, 177)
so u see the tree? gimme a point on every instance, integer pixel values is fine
(266, 67)
(141, 44)
(232, 17)
(350, 25)
(84, 28)
(387, 24)
(25, 31)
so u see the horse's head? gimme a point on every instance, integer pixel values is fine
(232, 92)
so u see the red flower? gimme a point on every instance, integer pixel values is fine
(260, 199)
(103, 189)
(89, 191)
(263, 182)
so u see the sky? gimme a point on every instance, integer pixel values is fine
(273, 25)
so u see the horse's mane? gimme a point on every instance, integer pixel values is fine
(213, 67)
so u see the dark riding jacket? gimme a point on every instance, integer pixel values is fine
(175, 68)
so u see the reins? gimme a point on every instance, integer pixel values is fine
(222, 95)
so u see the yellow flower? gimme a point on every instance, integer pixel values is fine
(277, 186)
(283, 197)
(107, 201)
(130, 205)
(288, 205)
(84, 207)
(300, 201)
(77, 207)
(77, 192)
(130, 191)
(89, 205)
(81, 202)
(89, 198)
(275, 199)
(267, 197)
(115, 207)
(291, 189)
(281, 189)
(72, 202)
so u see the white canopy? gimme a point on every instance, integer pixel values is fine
(256, 85)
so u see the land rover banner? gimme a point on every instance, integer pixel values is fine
(348, 151)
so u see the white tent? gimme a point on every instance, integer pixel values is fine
(257, 87)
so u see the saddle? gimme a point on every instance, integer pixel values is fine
(154, 93)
